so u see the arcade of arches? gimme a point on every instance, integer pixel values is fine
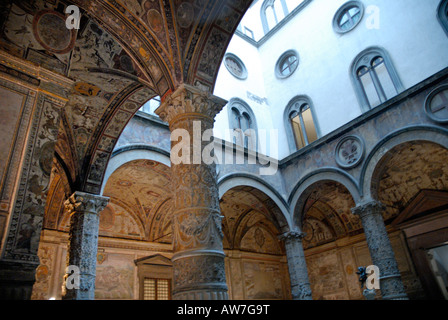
(67, 98)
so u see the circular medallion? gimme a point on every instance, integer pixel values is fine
(51, 32)
(235, 66)
(155, 20)
(436, 105)
(349, 152)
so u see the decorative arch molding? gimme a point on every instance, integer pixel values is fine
(424, 133)
(231, 181)
(442, 15)
(134, 152)
(298, 195)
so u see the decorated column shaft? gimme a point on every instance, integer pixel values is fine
(198, 259)
(79, 280)
(381, 251)
(298, 272)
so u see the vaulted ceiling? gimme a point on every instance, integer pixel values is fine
(123, 54)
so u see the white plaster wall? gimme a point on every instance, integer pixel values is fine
(408, 30)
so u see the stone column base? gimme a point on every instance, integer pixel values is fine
(16, 280)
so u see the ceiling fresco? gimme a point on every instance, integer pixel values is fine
(143, 188)
(123, 54)
(406, 170)
(250, 221)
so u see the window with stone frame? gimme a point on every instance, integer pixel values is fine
(242, 122)
(235, 66)
(375, 78)
(348, 16)
(300, 124)
(287, 64)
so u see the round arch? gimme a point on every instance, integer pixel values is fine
(131, 153)
(299, 194)
(231, 181)
(432, 134)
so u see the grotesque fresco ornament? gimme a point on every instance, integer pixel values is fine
(349, 152)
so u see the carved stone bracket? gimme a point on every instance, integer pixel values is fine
(82, 249)
(381, 250)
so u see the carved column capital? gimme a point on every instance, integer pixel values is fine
(371, 207)
(189, 101)
(85, 202)
(292, 235)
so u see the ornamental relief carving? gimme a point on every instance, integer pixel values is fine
(199, 270)
(195, 229)
(189, 100)
(84, 202)
(350, 152)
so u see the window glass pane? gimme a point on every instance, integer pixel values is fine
(234, 66)
(297, 129)
(279, 10)
(245, 122)
(310, 129)
(235, 119)
(149, 289)
(349, 18)
(288, 65)
(270, 17)
(385, 79)
(439, 105)
(369, 89)
(163, 289)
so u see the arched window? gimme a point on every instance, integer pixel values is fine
(374, 78)
(242, 122)
(272, 12)
(300, 126)
(442, 14)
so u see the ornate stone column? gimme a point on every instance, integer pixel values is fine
(84, 209)
(298, 272)
(198, 259)
(381, 250)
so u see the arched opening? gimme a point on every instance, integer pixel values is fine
(411, 181)
(256, 266)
